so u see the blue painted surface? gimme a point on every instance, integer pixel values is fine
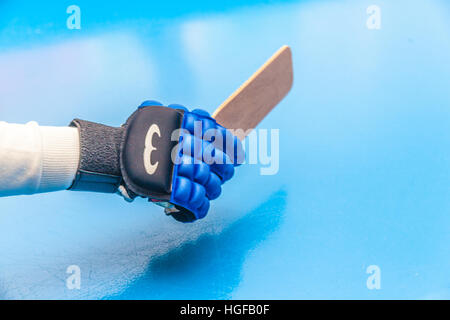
(364, 150)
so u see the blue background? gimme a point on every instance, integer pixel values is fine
(364, 150)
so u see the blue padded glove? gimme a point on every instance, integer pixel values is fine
(175, 158)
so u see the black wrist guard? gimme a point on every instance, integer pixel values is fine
(99, 168)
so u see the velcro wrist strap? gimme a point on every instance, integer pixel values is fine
(99, 169)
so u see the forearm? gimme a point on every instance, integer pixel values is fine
(36, 159)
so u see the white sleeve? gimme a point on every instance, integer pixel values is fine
(35, 159)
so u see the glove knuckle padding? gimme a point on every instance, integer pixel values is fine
(189, 195)
(201, 173)
(213, 187)
(195, 118)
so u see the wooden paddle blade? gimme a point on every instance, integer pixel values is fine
(257, 96)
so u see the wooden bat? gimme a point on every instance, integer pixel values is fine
(257, 96)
